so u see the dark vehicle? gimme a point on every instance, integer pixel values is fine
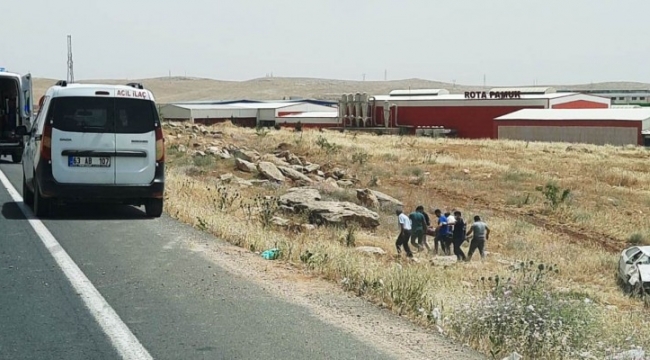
(15, 113)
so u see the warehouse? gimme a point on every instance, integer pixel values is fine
(325, 119)
(209, 114)
(590, 126)
(469, 115)
(243, 113)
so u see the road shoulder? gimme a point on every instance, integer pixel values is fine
(371, 324)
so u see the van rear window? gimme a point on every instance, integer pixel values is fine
(103, 115)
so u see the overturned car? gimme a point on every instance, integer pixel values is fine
(634, 270)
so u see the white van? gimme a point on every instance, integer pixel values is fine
(15, 113)
(95, 143)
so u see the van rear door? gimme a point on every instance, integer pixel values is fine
(83, 138)
(135, 137)
(26, 100)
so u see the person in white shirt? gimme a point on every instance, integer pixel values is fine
(404, 224)
(451, 220)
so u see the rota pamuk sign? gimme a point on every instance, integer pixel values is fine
(492, 94)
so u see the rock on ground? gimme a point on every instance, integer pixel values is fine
(371, 250)
(245, 166)
(328, 212)
(311, 168)
(384, 200)
(270, 171)
(368, 198)
(274, 160)
(247, 155)
(294, 174)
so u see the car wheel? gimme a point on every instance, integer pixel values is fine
(41, 204)
(154, 207)
(17, 157)
(28, 196)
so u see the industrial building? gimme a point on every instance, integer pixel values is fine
(590, 126)
(620, 97)
(245, 112)
(469, 115)
(325, 119)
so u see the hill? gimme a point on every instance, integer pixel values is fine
(188, 88)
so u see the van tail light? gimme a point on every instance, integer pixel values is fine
(160, 144)
(46, 142)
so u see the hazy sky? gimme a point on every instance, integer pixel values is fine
(512, 42)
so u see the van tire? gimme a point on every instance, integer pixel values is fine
(154, 208)
(41, 204)
(28, 196)
(17, 157)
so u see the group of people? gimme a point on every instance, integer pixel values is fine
(450, 229)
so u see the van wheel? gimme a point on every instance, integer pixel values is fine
(154, 207)
(28, 196)
(41, 205)
(17, 157)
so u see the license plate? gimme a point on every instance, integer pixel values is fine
(87, 161)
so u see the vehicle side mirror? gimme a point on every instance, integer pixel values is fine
(21, 130)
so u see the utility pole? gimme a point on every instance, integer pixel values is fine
(364, 77)
(70, 63)
(385, 75)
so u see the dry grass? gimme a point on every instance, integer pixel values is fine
(504, 182)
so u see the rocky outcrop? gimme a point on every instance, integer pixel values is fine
(328, 212)
(270, 171)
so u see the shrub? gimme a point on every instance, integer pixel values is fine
(203, 161)
(267, 206)
(330, 148)
(225, 198)
(349, 237)
(520, 313)
(360, 157)
(554, 197)
(637, 239)
(414, 171)
(261, 131)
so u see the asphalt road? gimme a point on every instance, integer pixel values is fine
(176, 303)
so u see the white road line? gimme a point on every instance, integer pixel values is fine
(126, 344)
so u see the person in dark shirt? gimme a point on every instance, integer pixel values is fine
(419, 224)
(427, 229)
(459, 236)
(443, 235)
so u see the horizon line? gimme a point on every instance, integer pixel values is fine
(450, 84)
